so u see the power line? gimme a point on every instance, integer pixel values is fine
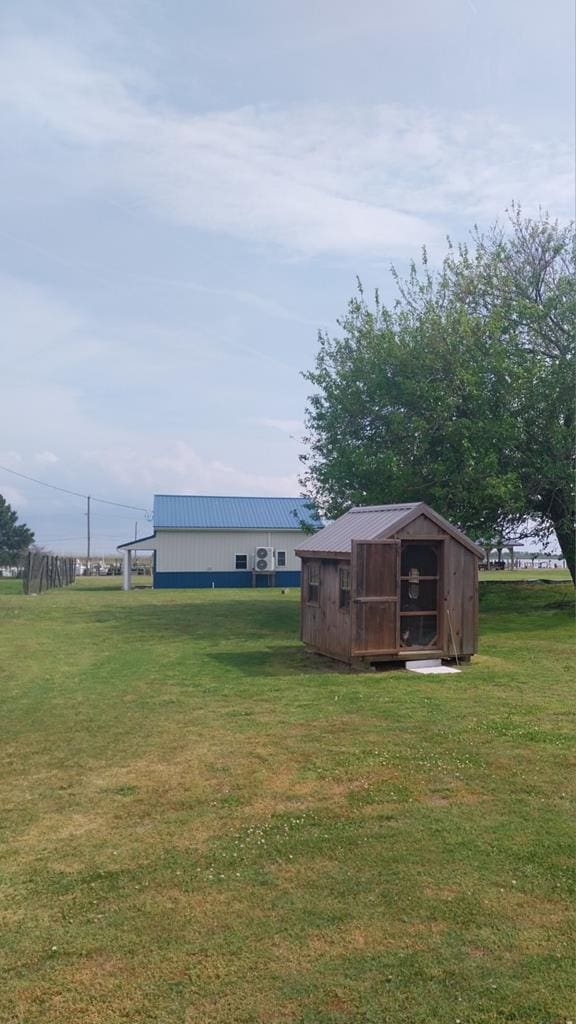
(75, 494)
(59, 540)
(108, 515)
(42, 483)
(120, 504)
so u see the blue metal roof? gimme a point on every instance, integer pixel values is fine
(200, 512)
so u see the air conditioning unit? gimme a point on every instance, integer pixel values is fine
(264, 560)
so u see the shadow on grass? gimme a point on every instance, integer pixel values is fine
(11, 588)
(227, 622)
(111, 588)
(276, 661)
(136, 586)
(527, 597)
(219, 622)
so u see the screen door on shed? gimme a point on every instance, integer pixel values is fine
(419, 594)
(374, 585)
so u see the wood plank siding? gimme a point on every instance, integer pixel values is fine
(419, 528)
(326, 626)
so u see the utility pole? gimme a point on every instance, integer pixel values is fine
(136, 530)
(88, 535)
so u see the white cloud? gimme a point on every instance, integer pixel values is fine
(175, 466)
(46, 458)
(285, 426)
(56, 341)
(311, 178)
(45, 331)
(10, 459)
(77, 441)
(13, 496)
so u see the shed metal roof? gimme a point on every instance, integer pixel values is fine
(216, 512)
(362, 523)
(375, 522)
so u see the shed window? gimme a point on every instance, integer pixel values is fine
(280, 559)
(344, 590)
(241, 561)
(313, 584)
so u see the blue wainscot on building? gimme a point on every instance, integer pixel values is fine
(201, 541)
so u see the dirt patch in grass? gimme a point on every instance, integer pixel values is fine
(456, 795)
(51, 830)
(289, 793)
(525, 910)
(256, 1009)
(374, 936)
(441, 892)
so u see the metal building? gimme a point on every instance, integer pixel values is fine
(201, 541)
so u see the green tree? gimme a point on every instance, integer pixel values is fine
(461, 395)
(15, 538)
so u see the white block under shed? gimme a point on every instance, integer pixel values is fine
(431, 667)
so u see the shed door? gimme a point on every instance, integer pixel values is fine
(374, 591)
(420, 625)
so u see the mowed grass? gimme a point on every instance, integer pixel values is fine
(514, 575)
(203, 824)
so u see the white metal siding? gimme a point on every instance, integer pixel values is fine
(215, 550)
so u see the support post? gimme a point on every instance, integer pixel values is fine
(127, 583)
(88, 535)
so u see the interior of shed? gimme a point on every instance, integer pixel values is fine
(419, 592)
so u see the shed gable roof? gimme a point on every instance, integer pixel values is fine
(217, 512)
(376, 522)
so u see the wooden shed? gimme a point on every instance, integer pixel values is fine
(390, 583)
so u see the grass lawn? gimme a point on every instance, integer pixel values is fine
(202, 824)
(507, 575)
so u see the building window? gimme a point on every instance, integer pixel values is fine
(280, 559)
(241, 561)
(344, 580)
(313, 584)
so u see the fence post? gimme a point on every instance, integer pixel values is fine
(45, 572)
(26, 576)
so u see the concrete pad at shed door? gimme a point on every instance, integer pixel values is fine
(432, 667)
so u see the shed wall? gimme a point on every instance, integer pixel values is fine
(420, 527)
(326, 626)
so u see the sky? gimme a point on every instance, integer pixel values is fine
(188, 192)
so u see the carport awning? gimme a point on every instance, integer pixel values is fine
(141, 543)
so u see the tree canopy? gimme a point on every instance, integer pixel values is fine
(15, 538)
(462, 393)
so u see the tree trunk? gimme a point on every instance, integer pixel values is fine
(567, 542)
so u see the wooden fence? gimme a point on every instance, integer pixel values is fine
(44, 572)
